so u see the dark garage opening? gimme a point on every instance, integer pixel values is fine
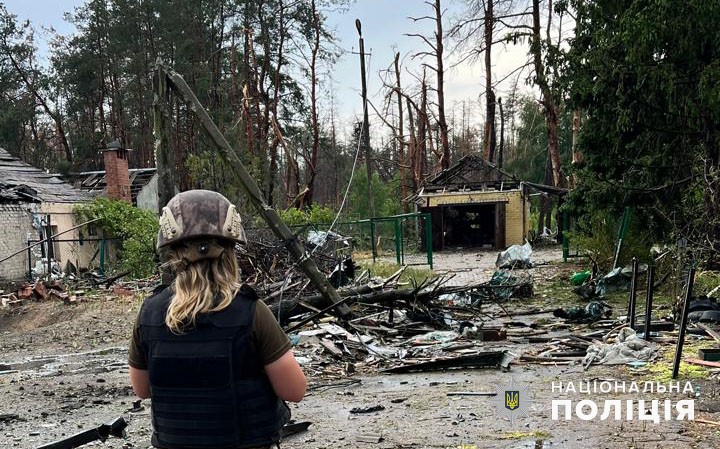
(467, 226)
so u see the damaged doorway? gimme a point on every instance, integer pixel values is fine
(473, 226)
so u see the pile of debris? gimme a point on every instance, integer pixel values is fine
(40, 291)
(398, 327)
(73, 290)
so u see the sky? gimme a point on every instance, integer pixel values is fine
(385, 24)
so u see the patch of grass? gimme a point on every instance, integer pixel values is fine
(517, 435)
(385, 270)
(661, 369)
(706, 281)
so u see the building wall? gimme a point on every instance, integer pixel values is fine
(80, 254)
(147, 197)
(517, 209)
(15, 229)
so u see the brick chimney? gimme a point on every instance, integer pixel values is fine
(117, 176)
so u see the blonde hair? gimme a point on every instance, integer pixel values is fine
(208, 285)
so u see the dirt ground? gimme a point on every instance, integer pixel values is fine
(63, 370)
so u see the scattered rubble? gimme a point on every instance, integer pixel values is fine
(397, 327)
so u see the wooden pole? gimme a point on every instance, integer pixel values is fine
(164, 158)
(279, 228)
(365, 136)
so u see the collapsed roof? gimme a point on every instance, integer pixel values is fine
(20, 182)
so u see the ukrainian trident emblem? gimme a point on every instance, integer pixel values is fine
(512, 400)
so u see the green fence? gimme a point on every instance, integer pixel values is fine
(406, 238)
(402, 239)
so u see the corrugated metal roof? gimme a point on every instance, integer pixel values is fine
(94, 181)
(16, 177)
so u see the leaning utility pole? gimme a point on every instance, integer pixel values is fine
(164, 159)
(365, 132)
(279, 228)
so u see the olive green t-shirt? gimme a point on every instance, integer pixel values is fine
(270, 340)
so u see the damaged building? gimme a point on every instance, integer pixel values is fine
(35, 205)
(136, 185)
(474, 204)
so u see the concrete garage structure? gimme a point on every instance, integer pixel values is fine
(474, 204)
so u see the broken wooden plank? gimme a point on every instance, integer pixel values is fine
(330, 346)
(711, 332)
(488, 359)
(703, 363)
(537, 359)
(471, 393)
(707, 421)
(369, 438)
(655, 326)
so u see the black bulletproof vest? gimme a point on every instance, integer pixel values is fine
(208, 386)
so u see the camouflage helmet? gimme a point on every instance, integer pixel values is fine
(197, 214)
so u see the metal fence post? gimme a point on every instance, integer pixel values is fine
(649, 301)
(633, 293)
(565, 240)
(372, 239)
(683, 323)
(102, 256)
(398, 242)
(29, 256)
(428, 238)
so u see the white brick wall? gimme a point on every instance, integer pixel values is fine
(15, 223)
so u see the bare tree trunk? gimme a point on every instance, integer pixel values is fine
(489, 138)
(442, 122)
(313, 104)
(545, 205)
(292, 172)
(502, 135)
(549, 106)
(422, 130)
(401, 137)
(274, 104)
(413, 148)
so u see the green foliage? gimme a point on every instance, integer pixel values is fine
(386, 196)
(314, 214)
(707, 282)
(527, 158)
(135, 228)
(649, 135)
(596, 236)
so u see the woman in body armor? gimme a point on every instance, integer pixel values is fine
(216, 364)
